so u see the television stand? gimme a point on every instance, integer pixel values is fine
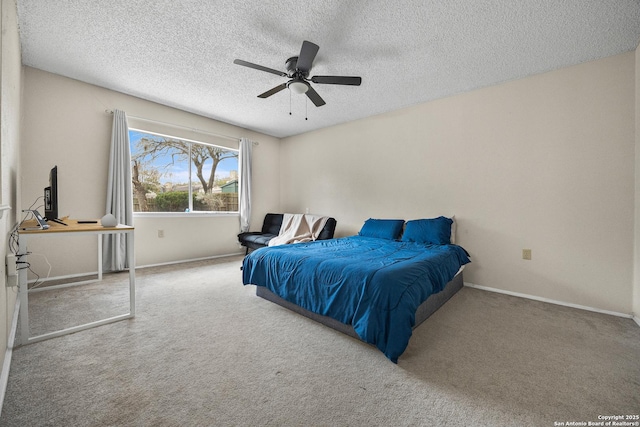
(23, 335)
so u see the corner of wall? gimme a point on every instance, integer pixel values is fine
(10, 127)
(636, 246)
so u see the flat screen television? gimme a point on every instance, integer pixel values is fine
(51, 196)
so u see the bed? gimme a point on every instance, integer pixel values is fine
(376, 286)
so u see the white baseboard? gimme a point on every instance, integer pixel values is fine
(551, 301)
(182, 261)
(636, 319)
(93, 273)
(6, 366)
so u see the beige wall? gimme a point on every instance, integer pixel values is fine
(636, 257)
(545, 163)
(10, 107)
(65, 124)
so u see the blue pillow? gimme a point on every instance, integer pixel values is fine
(382, 228)
(435, 231)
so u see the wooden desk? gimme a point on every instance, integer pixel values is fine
(28, 230)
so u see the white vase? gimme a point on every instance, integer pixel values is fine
(109, 220)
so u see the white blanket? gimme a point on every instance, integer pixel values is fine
(297, 228)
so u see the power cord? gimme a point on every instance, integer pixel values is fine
(14, 246)
(38, 282)
(13, 242)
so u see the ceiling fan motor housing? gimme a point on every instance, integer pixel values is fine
(292, 67)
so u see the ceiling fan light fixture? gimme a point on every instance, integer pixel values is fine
(298, 87)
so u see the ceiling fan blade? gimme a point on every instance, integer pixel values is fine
(259, 67)
(337, 80)
(307, 55)
(315, 98)
(272, 91)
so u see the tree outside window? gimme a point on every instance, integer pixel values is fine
(176, 175)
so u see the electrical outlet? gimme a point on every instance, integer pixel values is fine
(12, 281)
(11, 265)
(160, 234)
(526, 254)
(12, 271)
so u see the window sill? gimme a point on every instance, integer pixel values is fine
(182, 214)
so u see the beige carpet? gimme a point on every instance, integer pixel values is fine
(203, 350)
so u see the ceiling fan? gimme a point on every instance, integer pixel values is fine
(298, 68)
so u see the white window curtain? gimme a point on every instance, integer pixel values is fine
(119, 194)
(244, 207)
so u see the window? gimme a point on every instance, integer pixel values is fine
(171, 174)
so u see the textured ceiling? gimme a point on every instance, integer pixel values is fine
(180, 53)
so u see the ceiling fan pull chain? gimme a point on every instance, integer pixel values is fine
(289, 102)
(306, 113)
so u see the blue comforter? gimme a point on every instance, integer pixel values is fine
(374, 285)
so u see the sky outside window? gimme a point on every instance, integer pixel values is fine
(176, 171)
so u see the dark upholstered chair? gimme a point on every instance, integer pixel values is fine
(271, 228)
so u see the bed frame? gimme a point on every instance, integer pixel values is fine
(426, 309)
